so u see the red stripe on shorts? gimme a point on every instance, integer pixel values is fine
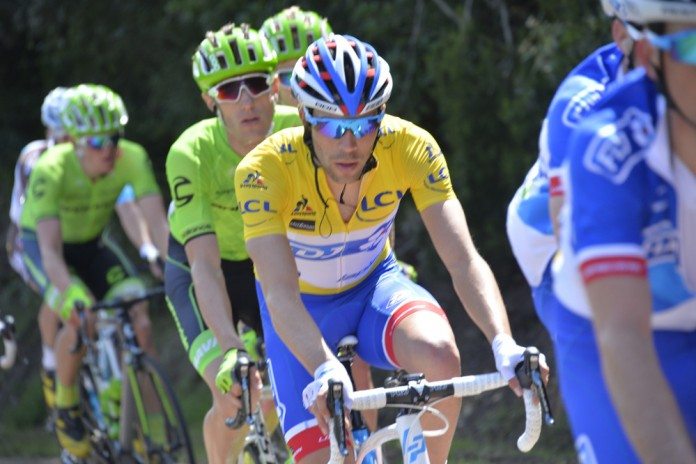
(399, 315)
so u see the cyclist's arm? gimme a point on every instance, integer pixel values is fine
(621, 307)
(555, 205)
(472, 277)
(277, 272)
(204, 255)
(152, 209)
(51, 246)
(133, 223)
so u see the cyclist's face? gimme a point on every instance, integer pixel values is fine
(97, 161)
(247, 119)
(343, 159)
(680, 77)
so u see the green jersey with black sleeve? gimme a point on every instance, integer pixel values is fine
(59, 188)
(200, 172)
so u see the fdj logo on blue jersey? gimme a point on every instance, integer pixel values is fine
(616, 147)
(256, 206)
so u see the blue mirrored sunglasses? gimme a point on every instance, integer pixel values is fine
(284, 77)
(336, 127)
(100, 141)
(681, 45)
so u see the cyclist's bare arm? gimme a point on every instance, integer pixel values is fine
(555, 205)
(621, 307)
(152, 209)
(277, 272)
(204, 256)
(133, 223)
(472, 278)
(50, 238)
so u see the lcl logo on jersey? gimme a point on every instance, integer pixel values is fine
(381, 200)
(432, 154)
(256, 206)
(368, 206)
(436, 180)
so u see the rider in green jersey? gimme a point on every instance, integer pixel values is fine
(69, 200)
(208, 275)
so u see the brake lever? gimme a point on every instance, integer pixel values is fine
(79, 341)
(528, 373)
(242, 374)
(335, 403)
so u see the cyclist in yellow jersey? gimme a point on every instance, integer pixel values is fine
(130, 217)
(208, 274)
(317, 203)
(70, 198)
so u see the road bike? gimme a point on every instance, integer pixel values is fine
(130, 408)
(7, 333)
(413, 395)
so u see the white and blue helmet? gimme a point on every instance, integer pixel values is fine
(343, 76)
(657, 11)
(51, 110)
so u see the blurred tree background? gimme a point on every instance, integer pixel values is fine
(478, 74)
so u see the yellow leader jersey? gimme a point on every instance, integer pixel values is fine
(281, 191)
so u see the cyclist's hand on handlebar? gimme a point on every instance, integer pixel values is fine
(75, 295)
(149, 253)
(508, 354)
(225, 378)
(315, 394)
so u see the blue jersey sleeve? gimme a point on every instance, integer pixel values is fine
(607, 171)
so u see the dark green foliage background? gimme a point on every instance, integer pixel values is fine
(478, 74)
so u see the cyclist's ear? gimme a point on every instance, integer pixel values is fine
(209, 102)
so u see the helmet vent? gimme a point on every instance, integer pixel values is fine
(205, 62)
(295, 34)
(281, 45)
(235, 51)
(210, 35)
(222, 62)
(252, 53)
(104, 115)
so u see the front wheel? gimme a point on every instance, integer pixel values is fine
(153, 428)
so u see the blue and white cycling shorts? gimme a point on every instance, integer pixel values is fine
(371, 311)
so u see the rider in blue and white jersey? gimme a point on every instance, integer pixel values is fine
(626, 274)
(532, 211)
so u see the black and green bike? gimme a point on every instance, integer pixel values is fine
(129, 405)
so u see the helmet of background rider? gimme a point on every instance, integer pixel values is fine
(92, 109)
(51, 109)
(292, 30)
(343, 76)
(229, 52)
(645, 12)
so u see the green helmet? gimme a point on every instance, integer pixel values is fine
(292, 30)
(92, 109)
(231, 51)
